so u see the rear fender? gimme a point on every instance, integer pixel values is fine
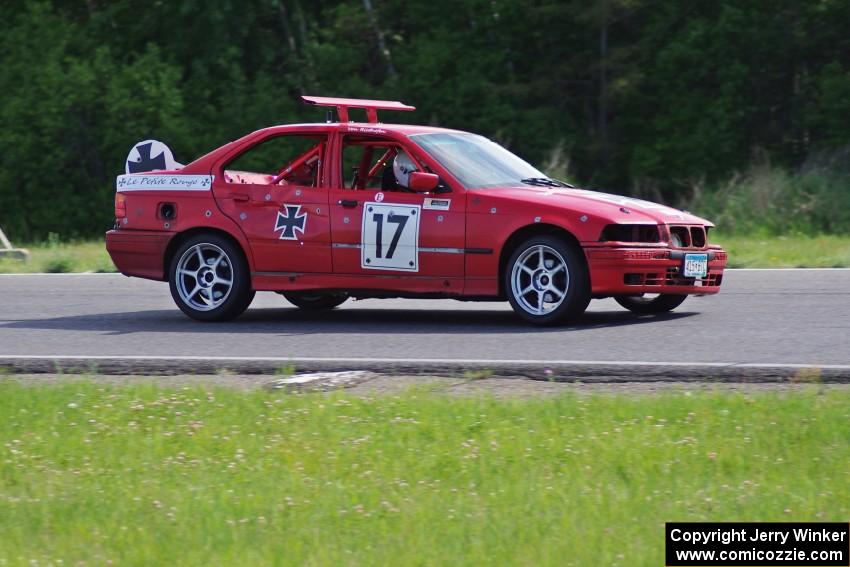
(219, 224)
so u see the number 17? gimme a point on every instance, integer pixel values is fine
(399, 221)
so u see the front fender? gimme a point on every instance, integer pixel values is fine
(493, 224)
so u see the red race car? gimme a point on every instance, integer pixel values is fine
(323, 212)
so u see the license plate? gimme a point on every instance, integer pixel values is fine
(696, 265)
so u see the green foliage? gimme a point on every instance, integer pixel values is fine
(142, 475)
(61, 257)
(786, 251)
(286, 370)
(59, 264)
(769, 201)
(67, 111)
(829, 110)
(628, 94)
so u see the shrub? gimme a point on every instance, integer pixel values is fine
(772, 201)
(59, 263)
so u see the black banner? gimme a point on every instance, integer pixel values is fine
(753, 544)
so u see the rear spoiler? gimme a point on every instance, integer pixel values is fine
(370, 106)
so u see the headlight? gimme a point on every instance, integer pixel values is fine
(631, 233)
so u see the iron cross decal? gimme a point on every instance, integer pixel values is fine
(146, 162)
(293, 220)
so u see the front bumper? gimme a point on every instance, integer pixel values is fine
(138, 253)
(633, 270)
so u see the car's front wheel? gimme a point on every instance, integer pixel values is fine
(315, 301)
(546, 281)
(209, 279)
(650, 303)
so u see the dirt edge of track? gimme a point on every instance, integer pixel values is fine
(585, 372)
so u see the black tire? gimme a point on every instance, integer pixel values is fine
(573, 280)
(219, 303)
(315, 301)
(644, 305)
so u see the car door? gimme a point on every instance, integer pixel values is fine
(378, 229)
(275, 191)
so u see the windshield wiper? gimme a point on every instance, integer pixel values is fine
(545, 182)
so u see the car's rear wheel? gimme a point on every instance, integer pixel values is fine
(315, 301)
(650, 303)
(546, 281)
(209, 279)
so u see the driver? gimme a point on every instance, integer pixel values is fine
(403, 166)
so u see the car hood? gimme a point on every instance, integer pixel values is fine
(613, 208)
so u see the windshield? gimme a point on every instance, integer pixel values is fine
(476, 161)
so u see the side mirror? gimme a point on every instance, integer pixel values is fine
(423, 182)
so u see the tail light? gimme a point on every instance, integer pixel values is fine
(120, 206)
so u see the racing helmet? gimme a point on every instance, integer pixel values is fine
(402, 167)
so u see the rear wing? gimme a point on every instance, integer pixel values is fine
(370, 106)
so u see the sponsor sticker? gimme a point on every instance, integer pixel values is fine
(437, 204)
(366, 130)
(163, 182)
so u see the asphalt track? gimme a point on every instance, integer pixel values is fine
(761, 319)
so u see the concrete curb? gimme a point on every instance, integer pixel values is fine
(560, 370)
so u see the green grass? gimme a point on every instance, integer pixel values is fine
(61, 257)
(786, 251)
(745, 252)
(141, 475)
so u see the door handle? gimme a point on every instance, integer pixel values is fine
(241, 197)
(348, 203)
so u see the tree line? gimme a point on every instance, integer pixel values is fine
(637, 96)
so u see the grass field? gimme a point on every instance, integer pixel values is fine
(744, 252)
(142, 475)
(61, 257)
(787, 251)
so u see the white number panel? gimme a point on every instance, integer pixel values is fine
(390, 237)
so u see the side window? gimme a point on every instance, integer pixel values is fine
(367, 163)
(292, 159)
